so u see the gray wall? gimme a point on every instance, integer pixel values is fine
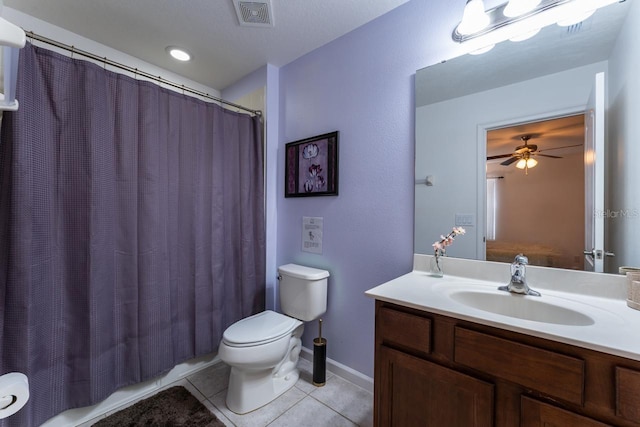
(623, 203)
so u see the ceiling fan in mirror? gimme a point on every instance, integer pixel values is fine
(523, 155)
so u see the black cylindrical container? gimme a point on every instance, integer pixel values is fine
(319, 358)
(319, 361)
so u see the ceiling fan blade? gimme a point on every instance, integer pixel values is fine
(499, 156)
(509, 161)
(557, 148)
(547, 155)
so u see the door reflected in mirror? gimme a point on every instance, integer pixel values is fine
(537, 209)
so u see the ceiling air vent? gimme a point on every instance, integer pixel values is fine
(254, 13)
(575, 28)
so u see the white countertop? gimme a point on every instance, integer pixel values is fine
(615, 329)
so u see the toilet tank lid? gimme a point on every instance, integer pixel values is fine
(302, 272)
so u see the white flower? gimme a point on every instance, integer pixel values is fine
(310, 151)
(440, 246)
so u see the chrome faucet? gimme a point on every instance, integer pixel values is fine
(518, 283)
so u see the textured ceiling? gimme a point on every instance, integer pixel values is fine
(223, 50)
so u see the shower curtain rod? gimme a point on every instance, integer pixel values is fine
(135, 71)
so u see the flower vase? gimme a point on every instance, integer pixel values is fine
(435, 267)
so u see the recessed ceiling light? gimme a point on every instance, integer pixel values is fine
(178, 53)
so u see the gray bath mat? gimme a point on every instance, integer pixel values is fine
(174, 406)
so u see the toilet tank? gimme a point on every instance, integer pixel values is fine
(303, 291)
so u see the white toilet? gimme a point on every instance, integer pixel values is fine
(263, 349)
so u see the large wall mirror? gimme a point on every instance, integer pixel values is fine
(500, 146)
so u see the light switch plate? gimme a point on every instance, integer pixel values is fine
(465, 220)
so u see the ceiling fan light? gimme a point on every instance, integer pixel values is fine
(522, 163)
(474, 18)
(531, 163)
(519, 7)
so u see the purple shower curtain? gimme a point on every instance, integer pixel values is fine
(131, 230)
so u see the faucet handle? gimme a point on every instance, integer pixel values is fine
(521, 259)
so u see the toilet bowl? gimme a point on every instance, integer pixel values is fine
(263, 349)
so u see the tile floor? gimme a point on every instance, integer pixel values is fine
(338, 403)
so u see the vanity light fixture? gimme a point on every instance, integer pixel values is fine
(524, 17)
(519, 7)
(178, 53)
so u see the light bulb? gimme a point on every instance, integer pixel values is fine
(522, 163)
(519, 7)
(474, 18)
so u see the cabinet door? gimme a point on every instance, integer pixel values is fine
(538, 414)
(415, 392)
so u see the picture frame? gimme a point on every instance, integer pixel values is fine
(311, 166)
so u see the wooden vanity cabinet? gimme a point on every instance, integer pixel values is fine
(434, 370)
(535, 414)
(417, 392)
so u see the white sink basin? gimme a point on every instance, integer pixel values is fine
(522, 307)
(576, 307)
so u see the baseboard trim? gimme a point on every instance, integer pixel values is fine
(343, 371)
(127, 395)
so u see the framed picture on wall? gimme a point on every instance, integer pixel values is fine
(311, 166)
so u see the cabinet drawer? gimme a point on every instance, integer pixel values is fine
(628, 394)
(545, 371)
(409, 331)
(538, 414)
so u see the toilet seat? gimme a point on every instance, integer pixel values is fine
(261, 328)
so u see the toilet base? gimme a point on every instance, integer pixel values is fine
(249, 391)
(252, 388)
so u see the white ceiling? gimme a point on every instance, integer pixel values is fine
(223, 50)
